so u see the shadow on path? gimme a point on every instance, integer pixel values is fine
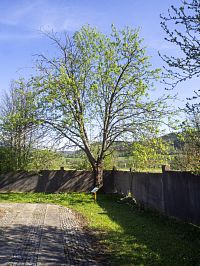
(47, 245)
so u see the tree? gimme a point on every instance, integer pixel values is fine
(44, 159)
(96, 90)
(150, 153)
(188, 157)
(6, 163)
(186, 36)
(80, 162)
(17, 115)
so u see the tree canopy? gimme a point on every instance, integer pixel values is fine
(97, 89)
(17, 124)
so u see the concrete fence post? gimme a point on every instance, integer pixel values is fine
(165, 168)
(114, 178)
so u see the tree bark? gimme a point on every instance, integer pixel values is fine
(98, 174)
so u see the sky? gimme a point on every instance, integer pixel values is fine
(21, 22)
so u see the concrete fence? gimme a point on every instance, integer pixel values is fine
(47, 181)
(175, 194)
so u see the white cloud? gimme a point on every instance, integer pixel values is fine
(13, 15)
(42, 15)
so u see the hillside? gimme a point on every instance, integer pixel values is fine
(122, 148)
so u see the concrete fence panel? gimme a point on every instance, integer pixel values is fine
(173, 193)
(147, 189)
(47, 181)
(182, 195)
(122, 182)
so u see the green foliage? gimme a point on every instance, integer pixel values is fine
(19, 135)
(7, 162)
(80, 162)
(188, 157)
(45, 160)
(17, 119)
(37, 160)
(150, 153)
(110, 161)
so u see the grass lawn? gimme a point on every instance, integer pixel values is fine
(131, 236)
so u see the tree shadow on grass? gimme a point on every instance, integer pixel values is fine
(147, 238)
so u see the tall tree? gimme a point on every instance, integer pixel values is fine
(96, 90)
(17, 114)
(182, 27)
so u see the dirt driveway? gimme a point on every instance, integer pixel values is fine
(42, 234)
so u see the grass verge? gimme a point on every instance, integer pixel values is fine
(131, 236)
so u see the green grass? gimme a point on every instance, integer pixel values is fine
(131, 236)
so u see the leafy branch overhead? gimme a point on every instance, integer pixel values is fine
(182, 27)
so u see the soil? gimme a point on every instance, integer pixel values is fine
(2, 213)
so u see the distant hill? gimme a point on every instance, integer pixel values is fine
(122, 148)
(174, 139)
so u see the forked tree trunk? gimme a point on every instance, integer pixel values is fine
(98, 174)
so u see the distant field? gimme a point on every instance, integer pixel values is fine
(121, 164)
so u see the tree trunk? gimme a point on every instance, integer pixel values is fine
(98, 173)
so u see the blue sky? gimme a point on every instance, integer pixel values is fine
(22, 20)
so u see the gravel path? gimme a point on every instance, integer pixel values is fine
(42, 234)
